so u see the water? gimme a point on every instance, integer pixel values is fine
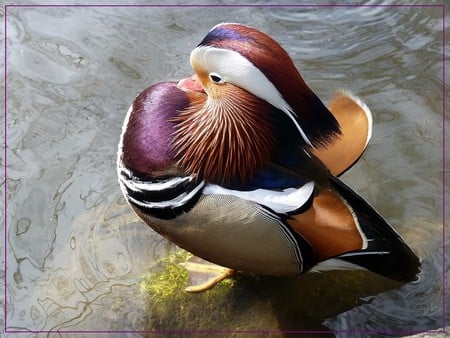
(75, 251)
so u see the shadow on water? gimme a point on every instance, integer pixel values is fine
(259, 304)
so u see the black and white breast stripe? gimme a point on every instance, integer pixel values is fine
(181, 192)
(164, 198)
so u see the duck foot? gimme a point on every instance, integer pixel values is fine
(203, 275)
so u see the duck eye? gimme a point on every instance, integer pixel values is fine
(215, 78)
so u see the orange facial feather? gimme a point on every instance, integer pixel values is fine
(224, 139)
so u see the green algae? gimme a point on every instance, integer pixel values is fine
(246, 302)
(168, 304)
(167, 282)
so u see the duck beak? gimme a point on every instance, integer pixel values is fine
(191, 83)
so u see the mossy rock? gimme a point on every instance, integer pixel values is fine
(171, 308)
(246, 302)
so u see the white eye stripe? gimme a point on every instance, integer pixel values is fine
(238, 70)
(235, 68)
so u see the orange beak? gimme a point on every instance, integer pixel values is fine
(191, 83)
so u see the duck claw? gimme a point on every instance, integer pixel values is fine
(203, 275)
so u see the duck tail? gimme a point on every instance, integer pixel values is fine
(385, 252)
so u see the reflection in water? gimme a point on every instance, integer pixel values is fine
(76, 252)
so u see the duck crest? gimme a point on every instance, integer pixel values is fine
(319, 125)
(224, 140)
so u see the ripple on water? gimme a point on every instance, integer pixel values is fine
(34, 65)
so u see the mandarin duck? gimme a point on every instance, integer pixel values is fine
(238, 164)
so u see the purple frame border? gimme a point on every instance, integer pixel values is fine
(442, 330)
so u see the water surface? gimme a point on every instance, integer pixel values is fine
(76, 252)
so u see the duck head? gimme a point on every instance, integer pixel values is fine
(250, 82)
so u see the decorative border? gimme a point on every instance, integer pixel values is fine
(363, 332)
